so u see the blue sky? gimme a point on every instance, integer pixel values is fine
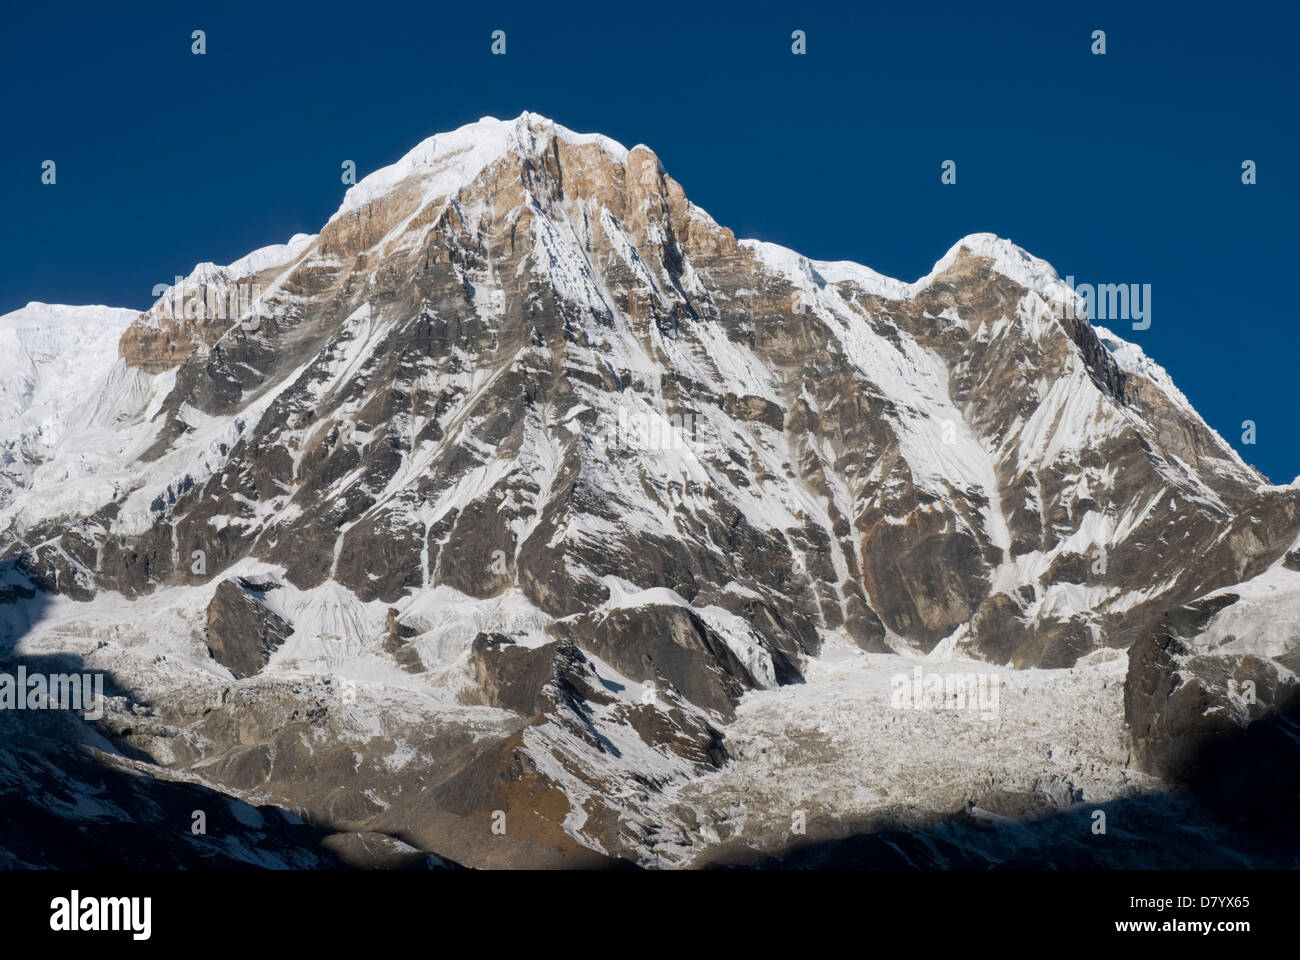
(1123, 168)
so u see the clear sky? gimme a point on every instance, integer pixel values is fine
(1122, 168)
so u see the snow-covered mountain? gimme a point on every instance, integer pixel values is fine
(524, 497)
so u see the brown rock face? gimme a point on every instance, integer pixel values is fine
(242, 631)
(1220, 725)
(1181, 700)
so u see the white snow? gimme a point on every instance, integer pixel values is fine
(445, 162)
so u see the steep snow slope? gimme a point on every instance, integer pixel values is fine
(65, 403)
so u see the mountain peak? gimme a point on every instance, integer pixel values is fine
(449, 161)
(1010, 260)
(446, 162)
(531, 457)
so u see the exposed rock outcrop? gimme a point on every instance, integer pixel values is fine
(242, 630)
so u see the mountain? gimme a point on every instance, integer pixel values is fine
(524, 516)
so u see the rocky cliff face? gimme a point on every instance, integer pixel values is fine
(528, 437)
(1216, 715)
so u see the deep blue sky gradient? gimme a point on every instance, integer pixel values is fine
(1122, 168)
